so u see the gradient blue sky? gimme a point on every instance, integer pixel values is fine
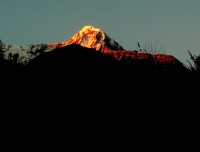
(174, 23)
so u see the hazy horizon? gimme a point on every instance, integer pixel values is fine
(173, 23)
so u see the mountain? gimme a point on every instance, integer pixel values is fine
(89, 37)
(92, 67)
(94, 38)
(22, 54)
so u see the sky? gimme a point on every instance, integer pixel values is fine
(173, 24)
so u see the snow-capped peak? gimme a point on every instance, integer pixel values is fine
(92, 37)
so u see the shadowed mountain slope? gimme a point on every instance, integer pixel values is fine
(82, 60)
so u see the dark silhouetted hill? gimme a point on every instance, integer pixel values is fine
(78, 79)
(90, 65)
(82, 68)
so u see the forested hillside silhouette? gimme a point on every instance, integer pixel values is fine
(84, 64)
(77, 59)
(77, 56)
(78, 73)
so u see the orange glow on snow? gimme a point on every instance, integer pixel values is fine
(90, 41)
(88, 37)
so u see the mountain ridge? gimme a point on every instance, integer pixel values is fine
(89, 37)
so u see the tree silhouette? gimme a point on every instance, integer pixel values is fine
(15, 58)
(37, 50)
(2, 47)
(138, 43)
(196, 61)
(10, 56)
